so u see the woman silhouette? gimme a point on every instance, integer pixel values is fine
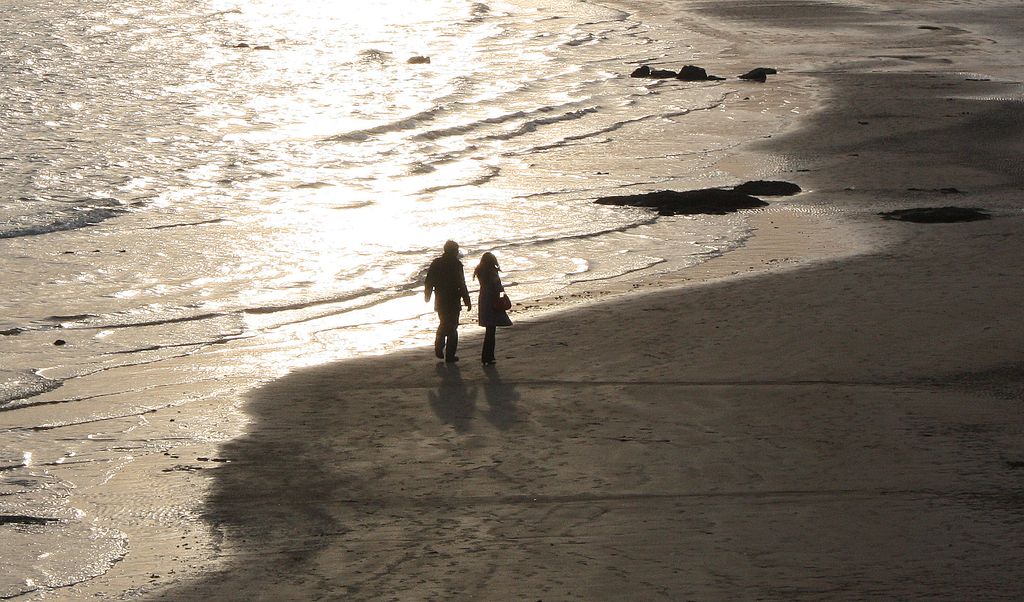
(491, 313)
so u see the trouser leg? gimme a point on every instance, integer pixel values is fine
(439, 341)
(487, 354)
(452, 345)
(447, 339)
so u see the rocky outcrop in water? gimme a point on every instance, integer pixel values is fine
(768, 188)
(948, 190)
(759, 75)
(22, 519)
(418, 60)
(689, 73)
(693, 73)
(937, 215)
(714, 201)
(641, 71)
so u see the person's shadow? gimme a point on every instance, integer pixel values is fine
(501, 398)
(452, 401)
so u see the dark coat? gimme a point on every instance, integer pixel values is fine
(447, 281)
(490, 289)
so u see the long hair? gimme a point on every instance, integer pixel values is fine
(488, 263)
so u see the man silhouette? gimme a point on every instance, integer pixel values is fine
(446, 280)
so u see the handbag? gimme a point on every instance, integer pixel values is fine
(502, 302)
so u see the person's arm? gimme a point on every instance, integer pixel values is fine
(464, 290)
(428, 283)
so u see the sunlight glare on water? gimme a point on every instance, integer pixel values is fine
(331, 70)
(257, 164)
(333, 67)
(329, 207)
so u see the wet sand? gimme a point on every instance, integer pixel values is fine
(761, 427)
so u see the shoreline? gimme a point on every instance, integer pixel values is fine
(389, 377)
(167, 533)
(167, 554)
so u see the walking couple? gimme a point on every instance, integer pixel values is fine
(447, 282)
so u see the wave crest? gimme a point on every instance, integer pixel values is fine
(58, 220)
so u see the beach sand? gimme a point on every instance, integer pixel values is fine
(830, 412)
(845, 431)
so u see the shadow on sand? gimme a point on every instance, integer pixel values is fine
(455, 402)
(335, 458)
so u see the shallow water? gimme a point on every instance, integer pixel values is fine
(168, 185)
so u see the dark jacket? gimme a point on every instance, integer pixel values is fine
(490, 289)
(447, 281)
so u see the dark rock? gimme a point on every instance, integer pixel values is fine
(242, 45)
(60, 342)
(418, 60)
(759, 75)
(715, 201)
(949, 190)
(641, 71)
(182, 468)
(768, 188)
(937, 215)
(692, 73)
(21, 519)
(688, 73)
(261, 47)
